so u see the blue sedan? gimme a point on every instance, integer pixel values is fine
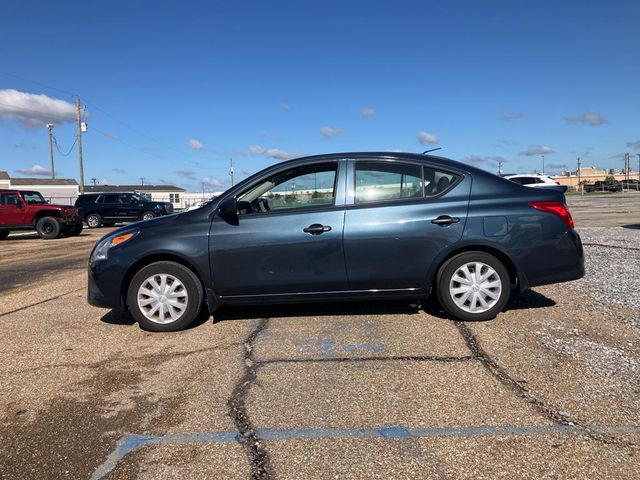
(347, 226)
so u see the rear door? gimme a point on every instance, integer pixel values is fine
(399, 217)
(12, 210)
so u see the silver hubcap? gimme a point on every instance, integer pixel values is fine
(162, 298)
(92, 221)
(475, 287)
(148, 216)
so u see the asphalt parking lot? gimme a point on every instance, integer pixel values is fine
(549, 389)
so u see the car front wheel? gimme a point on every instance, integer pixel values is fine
(165, 297)
(147, 216)
(473, 286)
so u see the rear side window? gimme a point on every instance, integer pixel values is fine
(386, 181)
(111, 198)
(9, 199)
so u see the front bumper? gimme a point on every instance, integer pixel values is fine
(71, 221)
(104, 287)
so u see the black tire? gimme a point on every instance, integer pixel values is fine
(445, 296)
(48, 228)
(94, 220)
(191, 284)
(75, 230)
(148, 215)
(4, 234)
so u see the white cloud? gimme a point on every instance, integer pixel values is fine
(510, 116)
(212, 182)
(593, 119)
(121, 171)
(426, 138)
(195, 144)
(273, 152)
(285, 106)
(328, 132)
(188, 174)
(38, 170)
(35, 110)
(367, 112)
(634, 145)
(537, 150)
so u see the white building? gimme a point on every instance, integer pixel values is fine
(57, 190)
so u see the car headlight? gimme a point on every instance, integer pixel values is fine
(101, 252)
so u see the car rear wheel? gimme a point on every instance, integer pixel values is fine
(165, 297)
(473, 286)
(48, 228)
(147, 216)
(4, 234)
(94, 220)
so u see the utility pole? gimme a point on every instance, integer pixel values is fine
(231, 170)
(79, 134)
(542, 164)
(579, 186)
(50, 128)
(500, 162)
(94, 180)
(142, 181)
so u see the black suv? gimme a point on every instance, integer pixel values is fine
(107, 209)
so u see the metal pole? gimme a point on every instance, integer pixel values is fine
(579, 186)
(80, 146)
(50, 128)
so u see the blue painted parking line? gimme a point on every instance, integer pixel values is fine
(129, 443)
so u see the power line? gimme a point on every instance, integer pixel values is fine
(36, 82)
(55, 142)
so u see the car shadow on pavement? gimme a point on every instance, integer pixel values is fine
(315, 310)
(529, 299)
(123, 317)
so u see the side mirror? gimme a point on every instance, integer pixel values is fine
(228, 208)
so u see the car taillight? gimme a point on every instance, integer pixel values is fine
(557, 208)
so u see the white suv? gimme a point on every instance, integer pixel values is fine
(533, 180)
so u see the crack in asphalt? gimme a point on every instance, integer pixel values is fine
(42, 301)
(247, 437)
(521, 391)
(401, 358)
(610, 246)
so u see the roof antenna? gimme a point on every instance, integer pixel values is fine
(432, 150)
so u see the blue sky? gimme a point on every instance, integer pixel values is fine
(174, 89)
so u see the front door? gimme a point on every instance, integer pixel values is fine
(401, 217)
(286, 238)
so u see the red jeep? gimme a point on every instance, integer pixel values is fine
(28, 210)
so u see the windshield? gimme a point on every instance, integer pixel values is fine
(33, 197)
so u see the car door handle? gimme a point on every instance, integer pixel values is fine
(445, 220)
(316, 229)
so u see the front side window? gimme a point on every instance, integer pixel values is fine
(384, 181)
(33, 197)
(302, 187)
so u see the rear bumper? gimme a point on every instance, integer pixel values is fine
(568, 262)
